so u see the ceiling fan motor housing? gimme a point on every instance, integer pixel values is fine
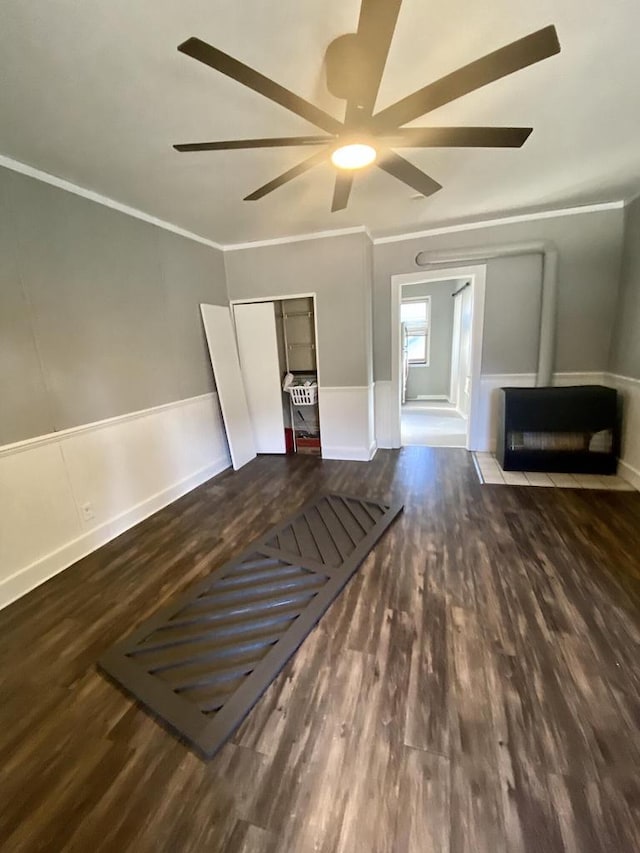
(347, 68)
(354, 65)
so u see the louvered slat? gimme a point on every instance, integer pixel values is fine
(203, 662)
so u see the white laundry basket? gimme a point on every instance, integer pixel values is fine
(303, 395)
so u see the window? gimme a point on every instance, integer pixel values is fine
(415, 316)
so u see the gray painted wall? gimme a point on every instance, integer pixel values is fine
(589, 262)
(336, 269)
(99, 311)
(434, 380)
(625, 347)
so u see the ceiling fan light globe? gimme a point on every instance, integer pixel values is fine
(354, 156)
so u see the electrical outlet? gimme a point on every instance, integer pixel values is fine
(87, 511)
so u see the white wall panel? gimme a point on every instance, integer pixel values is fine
(629, 389)
(37, 511)
(124, 468)
(344, 415)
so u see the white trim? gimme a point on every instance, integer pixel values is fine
(68, 186)
(346, 428)
(506, 220)
(91, 195)
(629, 473)
(590, 377)
(120, 470)
(628, 388)
(271, 298)
(348, 453)
(343, 387)
(439, 398)
(477, 275)
(31, 576)
(48, 438)
(383, 412)
(310, 295)
(297, 238)
(509, 377)
(631, 380)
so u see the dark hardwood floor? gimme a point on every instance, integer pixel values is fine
(476, 687)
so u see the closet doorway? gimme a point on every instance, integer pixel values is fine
(437, 321)
(277, 346)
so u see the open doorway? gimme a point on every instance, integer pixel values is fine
(437, 318)
(435, 363)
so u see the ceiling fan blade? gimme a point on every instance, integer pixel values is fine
(458, 137)
(273, 142)
(406, 172)
(289, 175)
(237, 70)
(341, 191)
(519, 54)
(375, 31)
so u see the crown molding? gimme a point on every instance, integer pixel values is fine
(68, 186)
(298, 238)
(76, 189)
(505, 220)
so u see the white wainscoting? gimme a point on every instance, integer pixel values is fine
(124, 469)
(629, 390)
(484, 439)
(384, 414)
(371, 420)
(345, 418)
(488, 408)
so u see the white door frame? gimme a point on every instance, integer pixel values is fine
(308, 295)
(477, 275)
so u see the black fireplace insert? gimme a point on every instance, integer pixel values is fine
(572, 429)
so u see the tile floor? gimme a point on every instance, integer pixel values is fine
(490, 472)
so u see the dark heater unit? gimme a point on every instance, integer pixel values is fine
(572, 430)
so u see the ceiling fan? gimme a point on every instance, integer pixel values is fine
(354, 64)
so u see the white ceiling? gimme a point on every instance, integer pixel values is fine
(96, 93)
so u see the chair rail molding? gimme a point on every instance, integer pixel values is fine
(68, 493)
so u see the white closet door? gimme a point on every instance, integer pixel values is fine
(258, 348)
(226, 369)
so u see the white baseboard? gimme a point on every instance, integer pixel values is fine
(631, 475)
(439, 397)
(347, 454)
(46, 567)
(125, 468)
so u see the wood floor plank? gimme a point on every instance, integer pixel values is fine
(476, 687)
